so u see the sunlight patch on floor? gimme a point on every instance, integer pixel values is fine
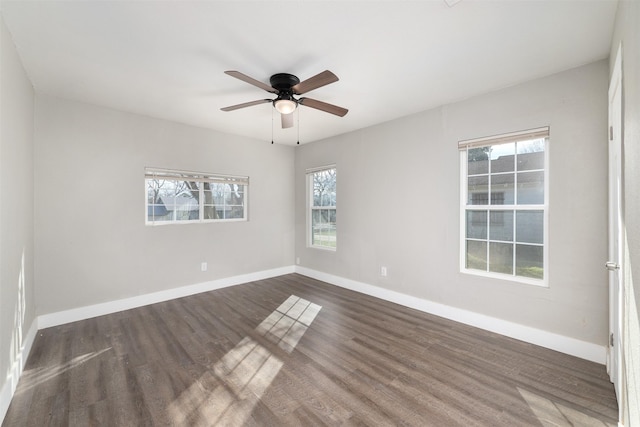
(247, 370)
(551, 413)
(288, 323)
(34, 377)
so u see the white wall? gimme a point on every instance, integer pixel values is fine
(398, 204)
(627, 32)
(92, 245)
(17, 303)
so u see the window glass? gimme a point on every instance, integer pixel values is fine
(531, 188)
(530, 226)
(477, 224)
(531, 155)
(501, 257)
(478, 190)
(529, 261)
(503, 157)
(502, 189)
(501, 226)
(476, 255)
(478, 159)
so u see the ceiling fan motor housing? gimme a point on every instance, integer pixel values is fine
(283, 81)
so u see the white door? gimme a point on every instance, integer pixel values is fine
(616, 288)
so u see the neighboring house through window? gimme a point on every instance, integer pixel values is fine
(187, 197)
(321, 218)
(504, 183)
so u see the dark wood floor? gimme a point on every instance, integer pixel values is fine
(336, 357)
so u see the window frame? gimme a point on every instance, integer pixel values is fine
(310, 207)
(199, 177)
(464, 146)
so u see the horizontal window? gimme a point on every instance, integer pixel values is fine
(188, 197)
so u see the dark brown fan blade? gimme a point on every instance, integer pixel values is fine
(323, 106)
(246, 104)
(251, 81)
(287, 120)
(324, 78)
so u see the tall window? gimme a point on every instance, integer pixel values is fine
(186, 197)
(504, 206)
(322, 207)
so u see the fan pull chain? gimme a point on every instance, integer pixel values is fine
(272, 126)
(298, 143)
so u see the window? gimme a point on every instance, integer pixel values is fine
(321, 223)
(188, 197)
(504, 206)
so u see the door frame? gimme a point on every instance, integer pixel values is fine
(615, 362)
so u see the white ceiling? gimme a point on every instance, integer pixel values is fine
(167, 59)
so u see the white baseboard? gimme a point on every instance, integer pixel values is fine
(11, 382)
(574, 347)
(87, 312)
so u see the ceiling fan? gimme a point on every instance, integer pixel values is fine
(285, 86)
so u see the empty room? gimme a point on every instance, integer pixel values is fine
(297, 213)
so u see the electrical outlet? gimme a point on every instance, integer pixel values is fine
(383, 271)
(203, 266)
(298, 260)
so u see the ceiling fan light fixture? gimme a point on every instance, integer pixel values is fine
(285, 105)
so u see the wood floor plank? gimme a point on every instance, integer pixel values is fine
(213, 359)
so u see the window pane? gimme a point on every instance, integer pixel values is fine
(152, 193)
(323, 227)
(234, 199)
(530, 226)
(166, 189)
(332, 217)
(478, 190)
(501, 225)
(177, 199)
(502, 189)
(236, 202)
(187, 208)
(478, 161)
(158, 212)
(476, 255)
(316, 226)
(156, 209)
(324, 188)
(529, 261)
(316, 218)
(503, 157)
(223, 201)
(501, 257)
(209, 207)
(531, 154)
(328, 199)
(477, 224)
(531, 188)
(220, 202)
